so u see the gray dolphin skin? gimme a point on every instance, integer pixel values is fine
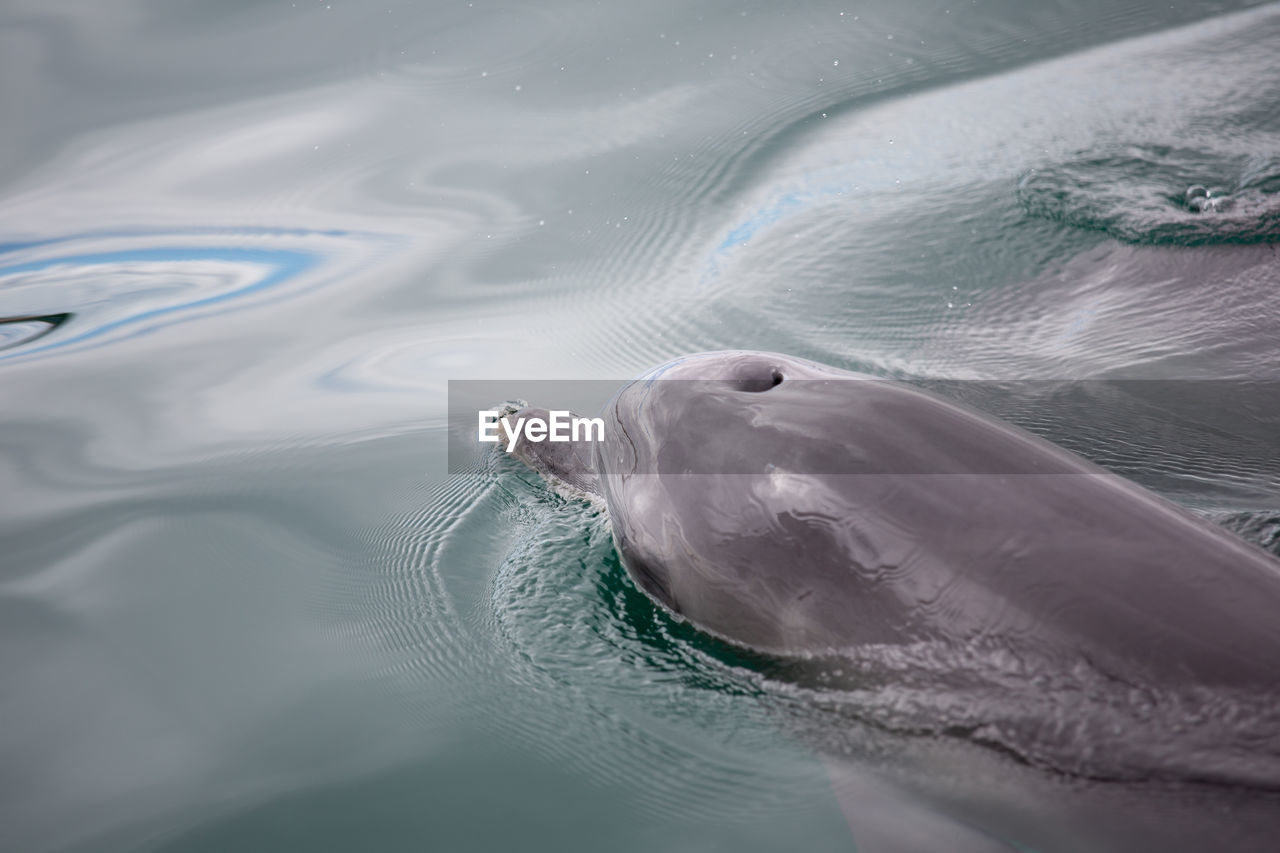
(796, 508)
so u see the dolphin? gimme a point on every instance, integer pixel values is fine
(1021, 595)
(795, 508)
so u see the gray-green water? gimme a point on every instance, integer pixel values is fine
(243, 246)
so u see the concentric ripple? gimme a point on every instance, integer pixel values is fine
(496, 576)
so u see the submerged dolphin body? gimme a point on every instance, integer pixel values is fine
(796, 508)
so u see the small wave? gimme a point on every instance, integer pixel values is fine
(1161, 195)
(1262, 528)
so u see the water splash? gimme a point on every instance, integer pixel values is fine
(1163, 195)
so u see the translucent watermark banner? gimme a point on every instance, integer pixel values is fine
(1209, 429)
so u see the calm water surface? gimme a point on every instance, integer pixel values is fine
(243, 247)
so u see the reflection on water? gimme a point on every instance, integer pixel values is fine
(129, 291)
(15, 331)
(243, 247)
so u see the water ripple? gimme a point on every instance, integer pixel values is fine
(648, 692)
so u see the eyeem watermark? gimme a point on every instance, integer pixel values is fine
(1169, 431)
(560, 425)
